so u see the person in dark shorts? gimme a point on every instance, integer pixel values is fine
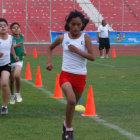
(5, 67)
(103, 39)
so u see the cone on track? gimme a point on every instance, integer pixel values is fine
(79, 107)
(58, 90)
(113, 53)
(35, 53)
(38, 81)
(28, 72)
(90, 106)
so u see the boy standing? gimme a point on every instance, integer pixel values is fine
(103, 39)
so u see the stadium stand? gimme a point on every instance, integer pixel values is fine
(38, 17)
(113, 12)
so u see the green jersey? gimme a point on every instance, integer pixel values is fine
(18, 50)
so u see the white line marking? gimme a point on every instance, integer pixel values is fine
(115, 127)
(111, 66)
(44, 90)
(97, 119)
(106, 65)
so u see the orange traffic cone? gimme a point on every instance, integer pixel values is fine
(113, 53)
(58, 90)
(35, 53)
(38, 81)
(28, 72)
(90, 106)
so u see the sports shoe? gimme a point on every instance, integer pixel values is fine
(69, 135)
(106, 56)
(64, 132)
(12, 99)
(4, 111)
(19, 98)
(102, 56)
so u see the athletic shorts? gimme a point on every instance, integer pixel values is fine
(104, 43)
(78, 82)
(13, 65)
(6, 67)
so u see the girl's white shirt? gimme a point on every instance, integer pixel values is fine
(72, 62)
(5, 48)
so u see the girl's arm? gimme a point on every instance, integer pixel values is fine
(89, 54)
(57, 42)
(13, 51)
(24, 50)
(17, 45)
(14, 54)
(1, 54)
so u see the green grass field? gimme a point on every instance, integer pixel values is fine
(116, 88)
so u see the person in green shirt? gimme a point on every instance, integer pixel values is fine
(16, 67)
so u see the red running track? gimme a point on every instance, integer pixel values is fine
(120, 50)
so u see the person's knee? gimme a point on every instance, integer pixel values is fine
(72, 102)
(4, 84)
(17, 72)
(11, 79)
(17, 76)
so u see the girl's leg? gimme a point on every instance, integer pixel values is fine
(0, 82)
(71, 102)
(72, 99)
(12, 82)
(4, 85)
(17, 72)
(78, 95)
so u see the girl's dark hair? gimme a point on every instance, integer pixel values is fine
(3, 20)
(75, 14)
(14, 23)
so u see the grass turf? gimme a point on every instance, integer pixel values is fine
(116, 93)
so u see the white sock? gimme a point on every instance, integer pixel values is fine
(4, 106)
(69, 129)
(64, 123)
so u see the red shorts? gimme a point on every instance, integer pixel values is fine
(78, 82)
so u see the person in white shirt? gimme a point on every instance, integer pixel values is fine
(103, 38)
(5, 66)
(77, 48)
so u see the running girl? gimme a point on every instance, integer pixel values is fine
(77, 48)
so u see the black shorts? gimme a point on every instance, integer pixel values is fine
(6, 67)
(104, 43)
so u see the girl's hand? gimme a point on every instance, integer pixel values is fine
(1, 54)
(16, 58)
(49, 67)
(72, 48)
(24, 53)
(19, 44)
